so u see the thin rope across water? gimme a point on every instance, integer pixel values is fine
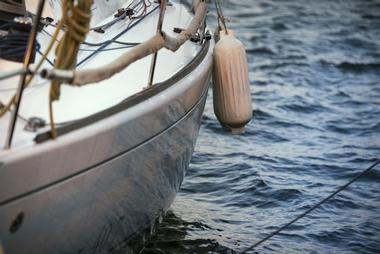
(341, 188)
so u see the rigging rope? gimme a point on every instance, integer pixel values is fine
(221, 17)
(341, 188)
(111, 41)
(12, 101)
(129, 27)
(155, 43)
(78, 23)
(77, 26)
(109, 49)
(76, 20)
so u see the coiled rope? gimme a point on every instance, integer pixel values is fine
(78, 23)
(76, 20)
(152, 45)
(341, 188)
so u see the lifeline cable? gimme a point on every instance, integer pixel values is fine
(7, 106)
(312, 208)
(44, 56)
(130, 26)
(91, 44)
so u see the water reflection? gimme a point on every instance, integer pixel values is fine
(171, 237)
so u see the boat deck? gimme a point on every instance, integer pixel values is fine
(76, 103)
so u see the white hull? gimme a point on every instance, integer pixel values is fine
(110, 174)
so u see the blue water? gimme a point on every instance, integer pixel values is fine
(314, 68)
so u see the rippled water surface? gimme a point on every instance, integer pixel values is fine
(315, 78)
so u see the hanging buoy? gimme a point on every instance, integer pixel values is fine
(232, 95)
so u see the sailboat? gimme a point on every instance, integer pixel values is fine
(92, 155)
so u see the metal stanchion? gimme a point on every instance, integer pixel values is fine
(159, 28)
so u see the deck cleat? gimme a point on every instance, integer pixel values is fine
(34, 123)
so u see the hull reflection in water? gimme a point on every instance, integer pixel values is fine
(170, 237)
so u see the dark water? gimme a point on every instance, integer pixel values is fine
(315, 74)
